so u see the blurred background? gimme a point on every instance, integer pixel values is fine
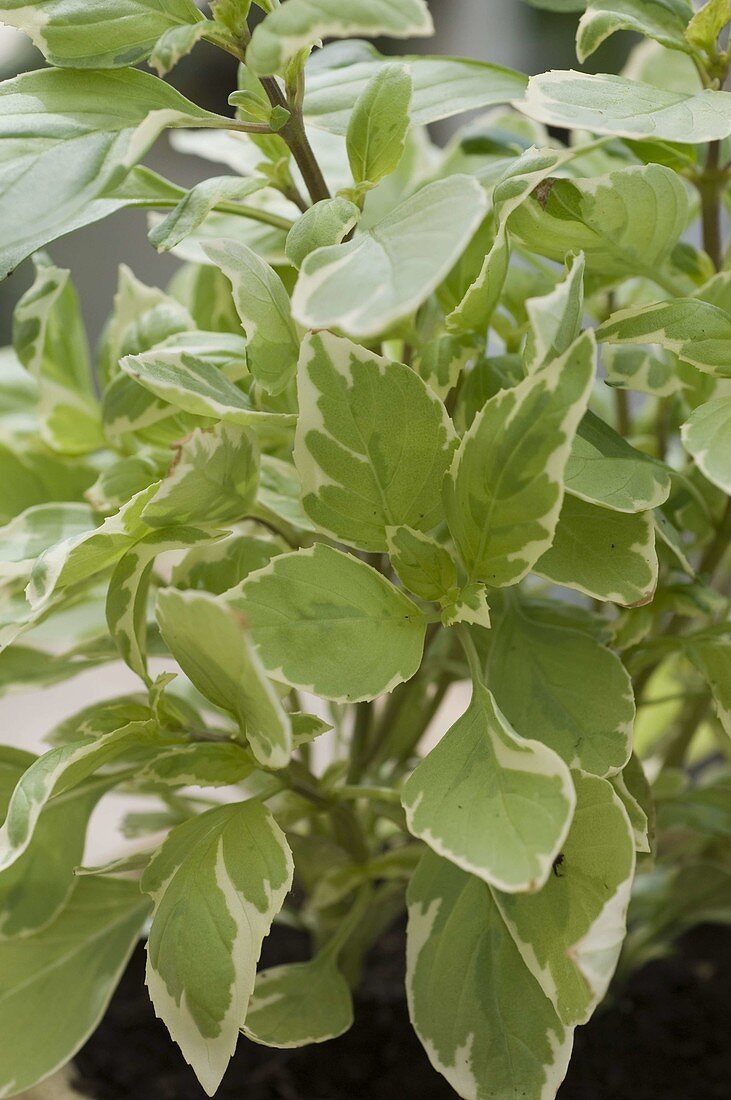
(507, 32)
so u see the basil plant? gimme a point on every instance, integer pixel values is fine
(406, 416)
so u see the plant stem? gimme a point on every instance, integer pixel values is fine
(715, 552)
(710, 185)
(360, 743)
(240, 209)
(296, 138)
(624, 421)
(690, 719)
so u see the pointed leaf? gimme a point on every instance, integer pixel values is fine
(212, 646)
(324, 224)
(497, 805)
(217, 883)
(663, 20)
(372, 443)
(379, 124)
(421, 564)
(696, 331)
(504, 491)
(706, 435)
(555, 319)
(604, 469)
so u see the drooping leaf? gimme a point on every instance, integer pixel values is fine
(129, 587)
(57, 983)
(696, 331)
(389, 270)
(196, 205)
(299, 1004)
(264, 308)
(604, 469)
(570, 933)
(490, 1029)
(378, 126)
(287, 30)
(626, 108)
(712, 658)
(80, 35)
(217, 883)
(503, 494)
(608, 555)
(326, 622)
(443, 86)
(218, 566)
(706, 435)
(555, 319)
(211, 644)
(372, 443)
(213, 479)
(49, 340)
(36, 887)
(625, 223)
(563, 688)
(200, 764)
(59, 770)
(67, 136)
(494, 803)
(663, 20)
(185, 380)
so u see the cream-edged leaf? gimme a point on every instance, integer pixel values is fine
(211, 644)
(299, 1004)
(503, 493)
(605, 469)
(495, 804)
(217, 883)
(387, 271)
(696, 331)
(324, 621)
(372, 444)
(706, 435)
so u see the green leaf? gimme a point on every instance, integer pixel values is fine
(58, 771)
(68, 137)
(196, 205)
(379, 124)
(213, 479)
(469, 605)
(490, 801)
(625, 223)
(626, 108)
(217, 883)
(636, 368)
(175, 44)
(327, 623)
(389, 270)
(123, 479)
(264, 308)
(50, 342)
(218, 566)
(200, 764)
(421, 564)
(663, 20)
(707, 23)
(712, 658)
(706, 435)
(504, 491)
(564, 688)
(58, 982)
(36, 887)
(605, 554)
(79, 556)
(129, 587)
(479, 301)
(109, 34)
(372, 443)
(299, 1004)
(696, 331)
(570, 933)
(212, 645)
(635, 794)
(440, 362)
(604, 469)
(183, 379)
(326, 223)
(301, 25)
(555, 319)
(443, 86)
(484, 1021)
(33, 474)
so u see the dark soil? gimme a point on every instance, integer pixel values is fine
(665, 1037)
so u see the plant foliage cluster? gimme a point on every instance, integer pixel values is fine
(406, 416)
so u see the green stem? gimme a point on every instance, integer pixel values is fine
(240, 209)
(359, 749)
(473, 657)
(710, 185)
(690, 719)
(296, 138)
